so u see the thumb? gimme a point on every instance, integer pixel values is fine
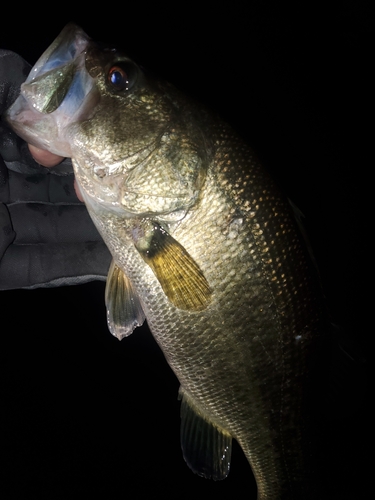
(43, 157)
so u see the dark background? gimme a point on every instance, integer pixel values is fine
(85, 414)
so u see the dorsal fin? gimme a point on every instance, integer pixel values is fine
(124, 309)
(205, 446)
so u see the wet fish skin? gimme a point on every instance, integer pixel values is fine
(184, 205)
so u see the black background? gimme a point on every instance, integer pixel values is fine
(85, 414)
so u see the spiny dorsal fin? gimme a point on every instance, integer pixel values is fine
(206, 447)
(179, 275)
(124, 310)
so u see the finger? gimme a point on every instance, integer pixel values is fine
(43, 157)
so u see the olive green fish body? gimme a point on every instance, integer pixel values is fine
(244, 359)
(204, 246)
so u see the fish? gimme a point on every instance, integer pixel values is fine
(206, 248)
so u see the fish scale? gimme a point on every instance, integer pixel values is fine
(206, 248)
(187, 354)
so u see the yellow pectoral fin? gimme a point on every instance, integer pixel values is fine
(179, 275)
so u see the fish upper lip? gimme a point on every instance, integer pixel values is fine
(71, 42)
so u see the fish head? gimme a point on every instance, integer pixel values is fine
(126, 132)
(54, 94)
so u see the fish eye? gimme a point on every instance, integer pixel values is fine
(121, 76)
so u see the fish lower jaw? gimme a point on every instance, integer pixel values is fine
(25, 124)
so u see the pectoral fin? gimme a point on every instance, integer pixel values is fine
(179, 275)
(206, 447)
(124, 310)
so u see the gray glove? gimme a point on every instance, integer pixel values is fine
(46, 235)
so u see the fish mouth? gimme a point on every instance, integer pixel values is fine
(53, 76)
(57, 92)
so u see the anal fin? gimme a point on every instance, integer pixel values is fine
(206, 447)
(124, 309)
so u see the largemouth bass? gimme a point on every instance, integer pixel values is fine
(205, 247)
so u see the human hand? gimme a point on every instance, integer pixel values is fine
(44, 158)
(46, 235)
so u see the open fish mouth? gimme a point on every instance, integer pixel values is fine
(55, 73)
(55, 93)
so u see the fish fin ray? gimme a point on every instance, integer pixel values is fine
(181, 278)
(124, 309)
(205, 446)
